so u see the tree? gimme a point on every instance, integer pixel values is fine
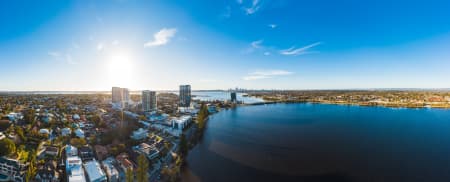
(172, 174)
(78, 142)
(97, 120)
(121, 147)
(31, 172)
(129, 175)
(142, 117)
(201, 116)
(7, 147)
(29, 116)
(183, 145)
(142, 169)
(4, 124)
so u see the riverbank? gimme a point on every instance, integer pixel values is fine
(384, 98)
(368, 104)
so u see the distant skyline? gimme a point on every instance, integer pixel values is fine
(253, 44)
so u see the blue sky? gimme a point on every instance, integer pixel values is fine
(261, 44)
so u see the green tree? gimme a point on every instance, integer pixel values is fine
(142, 169)
(78, 142)
(142, 117)
(31, 172)
(7, 147)
(29, 116)
(97, 120)
(183, 145)
(4, 124)
(201, 116)
(129, 175)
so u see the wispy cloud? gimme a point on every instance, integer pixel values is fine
(272, 26)
(62, 57)
(257, 75)
(54, 54)
(267, 53)
(299, 51)
(255, 6)
(257, 44)
(162, 37)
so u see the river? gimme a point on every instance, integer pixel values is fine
(323, 142)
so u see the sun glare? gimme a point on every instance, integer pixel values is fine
(120, 69)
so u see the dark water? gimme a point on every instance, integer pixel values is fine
(319, 142)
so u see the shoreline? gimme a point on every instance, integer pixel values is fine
(388, 105)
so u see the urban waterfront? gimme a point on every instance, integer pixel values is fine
(224, 96)
(322, 142)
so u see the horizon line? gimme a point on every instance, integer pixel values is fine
(240, 89)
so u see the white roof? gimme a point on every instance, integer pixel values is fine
(94, 172)
(44, 131)
(79, 132)
(74, 169)
(76, 116)
(182, 119)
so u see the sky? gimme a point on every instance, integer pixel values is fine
(93, 45)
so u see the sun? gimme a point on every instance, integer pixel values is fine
(120, 68)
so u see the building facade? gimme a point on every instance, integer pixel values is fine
(12, 169)
(120, 96)
(125, 97)
(185, 95)
(149, 102)
(181, 122)
(116, 94)
(233, 97)
(74, 170)
(48, 172)
(110, 170)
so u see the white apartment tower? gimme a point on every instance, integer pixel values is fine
(149, 102)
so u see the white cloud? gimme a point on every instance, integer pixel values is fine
(54, 54)
(100, 46)
(299, 51)
(272, 26)
(257, 75)
(257, 44)
(253, 8)
(162, 37)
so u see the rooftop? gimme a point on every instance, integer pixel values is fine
(94, 172)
